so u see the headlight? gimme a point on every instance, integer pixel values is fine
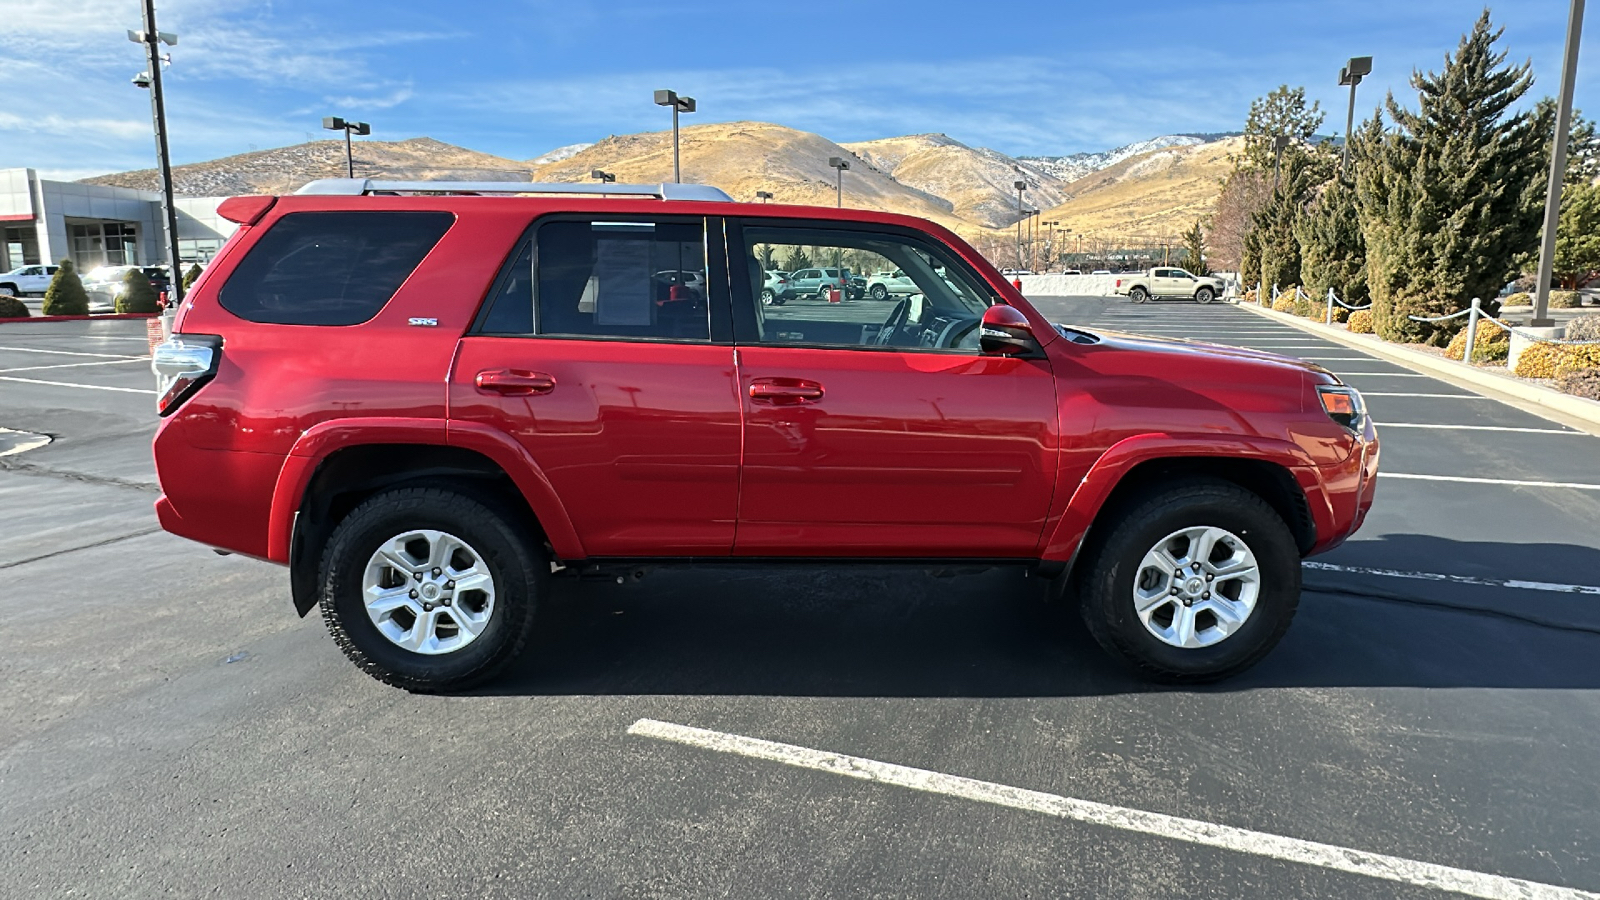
(1344, 405)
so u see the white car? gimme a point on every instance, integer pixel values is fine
(26, 280)
(883, 285)
(775, 289)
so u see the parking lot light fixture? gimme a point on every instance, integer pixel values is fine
(152, 39)
(764, 196)
(1558, 169)
(334, 123)
(839, 163)
(679, 105)
(603, 177)
(1279, 144)
(1351, 74)
(1021, 186)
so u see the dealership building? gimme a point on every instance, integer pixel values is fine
(44, 221)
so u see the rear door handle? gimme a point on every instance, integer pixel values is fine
(514, 382)
(783, 392)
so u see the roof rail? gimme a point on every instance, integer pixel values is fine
(355, 187)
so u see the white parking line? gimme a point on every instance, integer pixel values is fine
(91, 387)
(1344, 371)
(1433, 396)
(1463, 479)
(68, 352)
(1484, 428)
(1457, 579)
(1238, 840)
(98, 362)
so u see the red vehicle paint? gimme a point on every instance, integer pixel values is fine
(614, 451)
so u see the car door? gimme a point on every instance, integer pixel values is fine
(881, 429)
(612, 382)
(32, 280)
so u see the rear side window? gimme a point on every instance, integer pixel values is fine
(330, 268)
(642, 280)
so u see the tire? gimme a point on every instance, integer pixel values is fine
(822, 292)
(767, 295)
(9, 290)
(879, 292)
(495, 544)
(780, 299)
(1204, 295)
(1155, 519)
(1138, 295)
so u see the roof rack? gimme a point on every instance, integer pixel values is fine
(355, 187)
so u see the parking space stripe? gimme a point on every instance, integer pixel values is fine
(1432, 396)
(1485, 428)
(1510, 482)
(68, 352)
(99, 362)
(69, 384)
(1225, 837)
(1456, 579)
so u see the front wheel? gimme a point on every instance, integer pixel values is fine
(1191, 583)
(1204, 295)
(879, 292)
(767, 295)
(1138, 295)
(8, 290)
(430, 590)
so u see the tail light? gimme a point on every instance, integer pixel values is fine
(183, 363)
(1343, 405)
(1119, 282)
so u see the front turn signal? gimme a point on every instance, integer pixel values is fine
(1343, 405)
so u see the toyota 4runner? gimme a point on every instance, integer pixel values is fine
(427, 399)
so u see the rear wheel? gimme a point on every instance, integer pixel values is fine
(767, 295)
(1204, 295)
(430, 590)
(879, 292)
(1193, 582)
(1138, 295)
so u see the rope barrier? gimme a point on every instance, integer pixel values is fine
(1335, 298)
(1454, 315)
(1536, 338)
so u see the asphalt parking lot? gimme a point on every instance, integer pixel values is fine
(170, 728)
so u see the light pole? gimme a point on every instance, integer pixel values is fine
(334, 123)
(152, 41)
(1351, 74)
(764, 196)
(603, 177)
(1558, 170)
(679, 105)
(1050, 243)
(1021, 186)
(1278, 145)
(839, 163)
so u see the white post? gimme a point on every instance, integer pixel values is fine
(1472, 332)
(1330, 306)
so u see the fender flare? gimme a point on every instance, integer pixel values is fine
(326, 438)
(1107, 472)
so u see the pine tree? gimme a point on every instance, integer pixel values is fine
(137, 295)
(191, 276)
(65, 296)
(1282, 112)
(1302, 171)
(1332, 251)
(1450, 197)
(1194, 249)
(1250, 262)
(796, 260)
(1578, 234)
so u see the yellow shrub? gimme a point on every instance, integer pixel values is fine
(1492, 342)
(1284, 303)
(1520, 298)
(1565, 300)
(1539, 361)
(1361, 321)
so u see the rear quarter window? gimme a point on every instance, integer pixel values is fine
(330, 268)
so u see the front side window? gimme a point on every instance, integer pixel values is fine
(939, 309)
(643, 280)
(330, 268)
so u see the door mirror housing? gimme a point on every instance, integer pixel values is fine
(1006, 332)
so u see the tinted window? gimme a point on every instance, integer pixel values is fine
(622, 279)
(330, 268)
(511, 310)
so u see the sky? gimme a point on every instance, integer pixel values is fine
(517, 79)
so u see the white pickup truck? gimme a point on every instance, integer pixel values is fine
(26, 280)
(1169, 282)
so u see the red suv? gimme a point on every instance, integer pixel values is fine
(426, 399)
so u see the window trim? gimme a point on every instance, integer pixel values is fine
(713, 247)
(746, 331)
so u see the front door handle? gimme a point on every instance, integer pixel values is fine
(785, 392)
(514, 382)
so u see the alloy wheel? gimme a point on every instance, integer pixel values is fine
(428, 592)
(1196, 587)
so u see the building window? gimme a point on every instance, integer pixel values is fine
(198, 250)
(21, 246)
(104, 244)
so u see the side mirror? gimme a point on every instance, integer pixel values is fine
(1005, 332)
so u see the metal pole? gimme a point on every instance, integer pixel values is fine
(158, 111)
(1558, 170)
(677, 173)
(1330, 306)
(1019, 228)
(838, 187)
(1349, 123)
(1472, 331)
(349, 155)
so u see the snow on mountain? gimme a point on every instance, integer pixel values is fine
(559, 154)
(1077, 165)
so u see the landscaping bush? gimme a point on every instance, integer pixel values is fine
(1517, 299)
(137, 295)
(1305, 309)
(1565, 299)
(65, 296)
(1361, 321)
(1555, 360)
(190, 276)
(1492, 343)
(1584, 328)
(12, 308)
(1581, 383)
(1250, 296)
(1284, 303)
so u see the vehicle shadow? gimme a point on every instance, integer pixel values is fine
(884, 631)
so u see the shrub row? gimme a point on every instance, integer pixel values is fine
(1361, 321)
(12, 308)
(1555, 360)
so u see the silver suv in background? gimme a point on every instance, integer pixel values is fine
(26, 280)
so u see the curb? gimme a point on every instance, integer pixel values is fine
(1577, 407)
(99, 318)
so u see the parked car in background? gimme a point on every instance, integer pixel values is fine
(818, 282)
(1101, 272)
(775, 288)
(1071, 272)
(1169, 282)
(26, 280)
(884, 285)
(105, 284)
